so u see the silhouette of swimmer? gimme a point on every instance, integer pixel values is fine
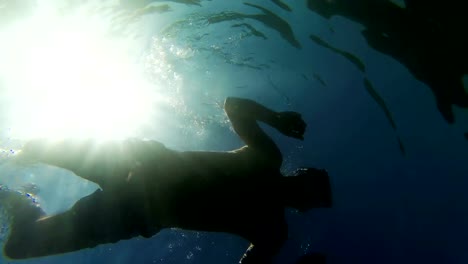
(146, 187)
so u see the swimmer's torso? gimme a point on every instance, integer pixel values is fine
(196, 190)
(160, 187)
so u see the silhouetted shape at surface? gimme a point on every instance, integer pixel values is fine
(428, 37)
(225, 16)
(268, 18)
(252, 30)
(402, 147)
(275, 22)
(379, 100)
(319, 79)
(137, 4)
(353, 59)
(186, 2)
(368, 85)
(131, 16)
(282, 5)
(153, 9)
(193, 28)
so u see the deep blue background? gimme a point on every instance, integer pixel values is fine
(389, 207)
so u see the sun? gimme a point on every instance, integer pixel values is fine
(63, 77)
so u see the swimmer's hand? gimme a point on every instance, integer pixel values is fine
(290, 124)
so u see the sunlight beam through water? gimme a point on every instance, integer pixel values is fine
(66, 77)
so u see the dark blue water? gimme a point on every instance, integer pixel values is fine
(396, 161)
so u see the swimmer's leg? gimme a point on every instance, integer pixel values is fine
(306, 188)
(93, 220)
(22, 211)
(103, 163)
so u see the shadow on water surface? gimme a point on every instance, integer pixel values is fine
(282, 5)
(367, 84)
(268, 18)
(427, 37)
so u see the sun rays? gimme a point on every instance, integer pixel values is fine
(66, 77)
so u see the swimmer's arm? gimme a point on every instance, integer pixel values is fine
(249, 109)
(244, 114)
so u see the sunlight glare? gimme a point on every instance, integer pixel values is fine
(63, 78)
